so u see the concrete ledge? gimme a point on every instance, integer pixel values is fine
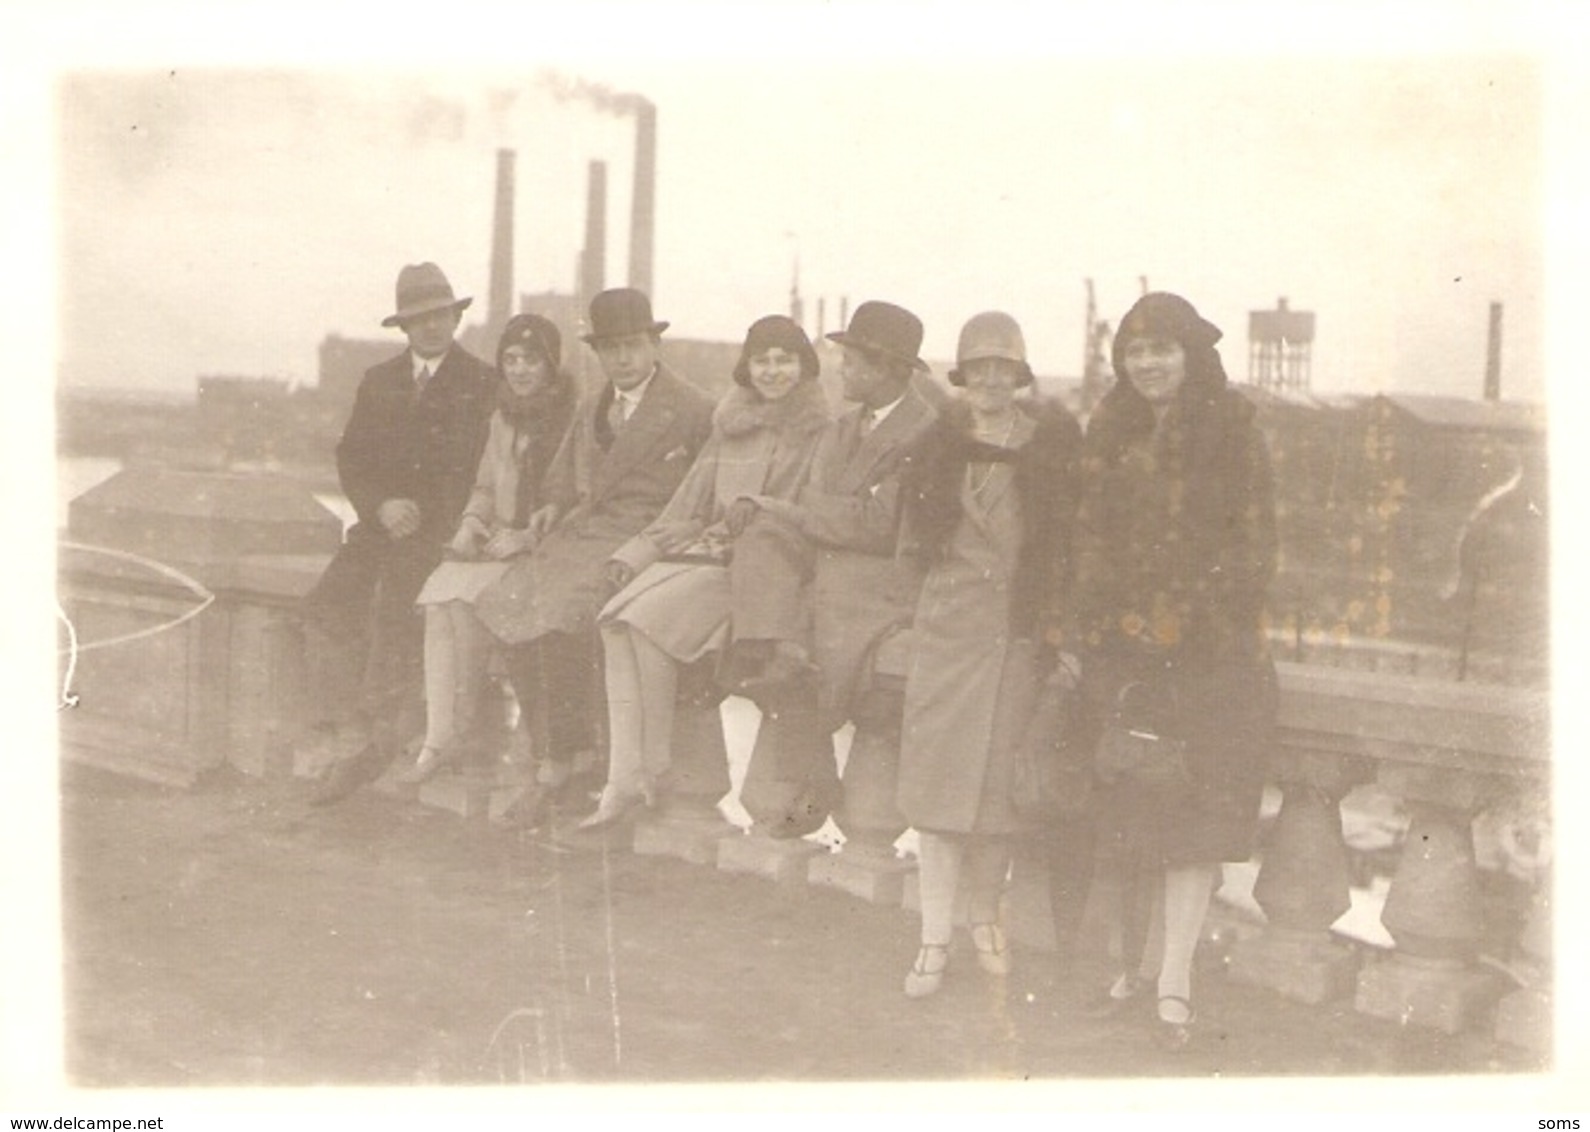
(784, 861)
(1437, 994)
(869, 876)
(692, 838)
(1303, 966)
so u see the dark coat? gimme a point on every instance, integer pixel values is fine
(606, 496)
(1176, 546)
(400, 443)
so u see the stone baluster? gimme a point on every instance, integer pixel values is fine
(689, 824)
(867, 865)
(1433, 910)
(1303, 885)
(790, 772)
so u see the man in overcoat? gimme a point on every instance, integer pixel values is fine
(406, 461)
(816, 582)
(626, 451)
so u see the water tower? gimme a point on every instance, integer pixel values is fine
(1280, 348)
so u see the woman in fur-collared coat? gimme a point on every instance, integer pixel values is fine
(988, 510)
(1176, 545)
(675, 608)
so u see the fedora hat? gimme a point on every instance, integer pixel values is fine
(422, 288)
(883, 328)
(621, 311)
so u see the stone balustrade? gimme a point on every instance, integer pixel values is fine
(239, 685)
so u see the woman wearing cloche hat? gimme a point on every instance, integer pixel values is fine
(674, 608)
(535, 400)
(988, 510)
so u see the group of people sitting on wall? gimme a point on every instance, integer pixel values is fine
(607, 543)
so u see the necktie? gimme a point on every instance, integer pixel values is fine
(618, 413)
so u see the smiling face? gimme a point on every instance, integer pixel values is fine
(1156, 367)
(774, 372)
(628, 359)
(430, 334)
(525, 369)
(991, 384)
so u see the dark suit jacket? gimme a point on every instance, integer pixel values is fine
(607, 496)
(400, 443)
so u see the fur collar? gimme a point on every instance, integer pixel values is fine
(742, 411)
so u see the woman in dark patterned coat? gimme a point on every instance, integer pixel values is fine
(988, 508)
(1176, 546)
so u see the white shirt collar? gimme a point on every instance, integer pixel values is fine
(423, 364)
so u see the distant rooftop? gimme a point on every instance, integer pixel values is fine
(1457, 412)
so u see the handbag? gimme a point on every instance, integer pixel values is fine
(1138, 743)
(1053, 779)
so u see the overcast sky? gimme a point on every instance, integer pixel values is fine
(224, 219)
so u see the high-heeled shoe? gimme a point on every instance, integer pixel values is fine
(430, 761)
(614, 806)
(927, 973)
(993, 955)
(1174, 1036)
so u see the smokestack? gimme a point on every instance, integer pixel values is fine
(643, 221)
(1493, 356)
(822, 316)
(844, 312)
(499, 300)
(593, 261)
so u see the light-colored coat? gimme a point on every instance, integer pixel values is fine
(605, 499)
(970, 683)
(756, 448)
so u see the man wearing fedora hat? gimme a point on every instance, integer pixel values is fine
(816, 581)
(406, 461)
(626, 451)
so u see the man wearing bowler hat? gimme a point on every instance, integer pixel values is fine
(626, 451)
(407, 460)
(816, 581)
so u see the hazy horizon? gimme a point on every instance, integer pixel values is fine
(225, 221)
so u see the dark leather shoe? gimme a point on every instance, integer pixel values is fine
(348, 775)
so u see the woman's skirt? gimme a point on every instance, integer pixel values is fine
(459, 581)
(681, 607)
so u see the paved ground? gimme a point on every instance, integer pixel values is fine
(233, 935)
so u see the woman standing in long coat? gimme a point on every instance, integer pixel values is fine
(988, 508)
(1176, 546)
(675, 604)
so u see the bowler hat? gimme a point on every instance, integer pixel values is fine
(621, 311)
(883, 328)
(992, 334)
(422, 288)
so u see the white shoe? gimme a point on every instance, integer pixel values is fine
(926, 975)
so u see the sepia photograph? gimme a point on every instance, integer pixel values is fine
(791, 552)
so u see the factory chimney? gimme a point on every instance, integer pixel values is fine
(1493, 356)
(499, 300)
(593, 260)
(643, 220)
